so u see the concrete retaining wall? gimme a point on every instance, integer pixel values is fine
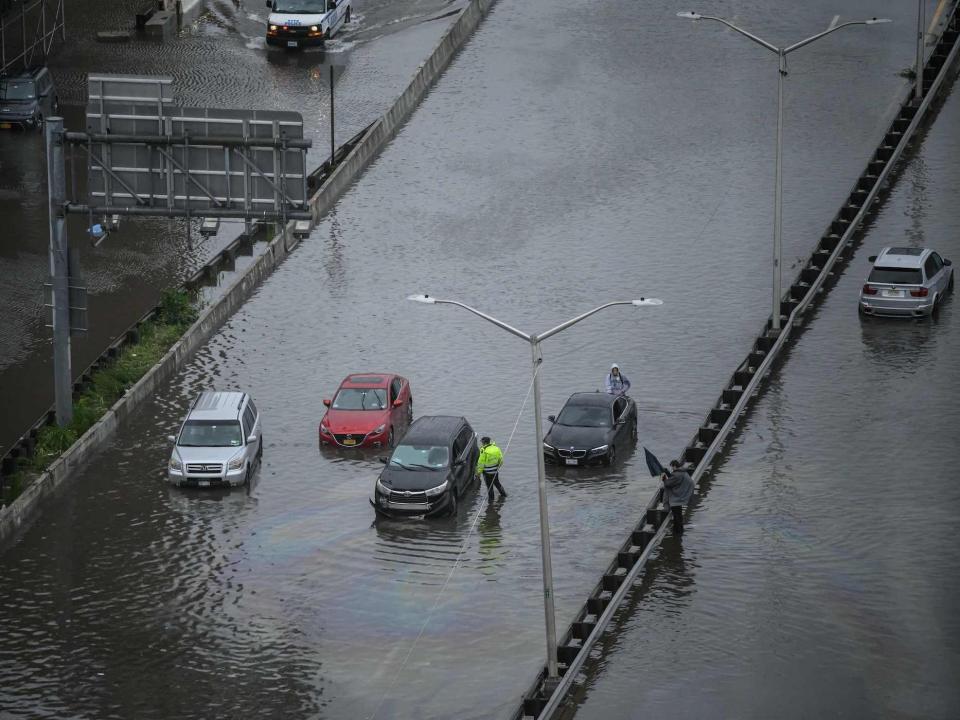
(22, 512)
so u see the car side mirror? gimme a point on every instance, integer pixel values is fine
(326, 401)
(398, 403)
(872, 258)
(552, 418)
(948, 263)
(171, 438)
(252, 438)
(383, 459)
(270, 4)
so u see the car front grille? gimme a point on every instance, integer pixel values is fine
(205, 467)
(350, 440)
(400, 496)
(571, 453)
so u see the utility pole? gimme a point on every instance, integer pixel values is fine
(59, 269)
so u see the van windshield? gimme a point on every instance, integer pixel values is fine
(210, 433)
(17, 90)
(420, 457)
(300, 7)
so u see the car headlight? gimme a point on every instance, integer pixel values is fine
(313, 28)
(381, 488)
(598, 450)
(380, 429)
(324, 428)
(176, 463)
(273, 28)
(547, 446)
(235, 463)
(438, 490)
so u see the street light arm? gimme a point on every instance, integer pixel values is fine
(760, 41)
(509, 328)
(797, 46)
(574, 321)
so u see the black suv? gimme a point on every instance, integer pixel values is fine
(27, 98)
(429, 470)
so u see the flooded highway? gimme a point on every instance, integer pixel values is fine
(537, 180)
(220, 60)
(821, 574)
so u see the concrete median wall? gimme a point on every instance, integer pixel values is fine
(22, 512)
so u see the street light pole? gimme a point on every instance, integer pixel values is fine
(918, 86)
(781, 54)
(549, 613)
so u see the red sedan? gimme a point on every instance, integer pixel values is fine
(369, 409)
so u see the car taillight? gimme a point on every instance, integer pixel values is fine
(869, 290)
(919, 292)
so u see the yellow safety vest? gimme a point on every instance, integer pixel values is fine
(490, 459)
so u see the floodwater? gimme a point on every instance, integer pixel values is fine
(562, 161)
(821, 573)
(220, 60)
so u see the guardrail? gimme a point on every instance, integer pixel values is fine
(596, 614)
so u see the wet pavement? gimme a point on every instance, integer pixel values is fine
(220, 60)
(534, 183)
(820, 574)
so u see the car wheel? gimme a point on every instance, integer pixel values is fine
(260, 450)
(611, 457)
(633, 432)
(246, 479)
(410, 412)
(950, 284)
(935, 310)
(454, 504)
(390, 438)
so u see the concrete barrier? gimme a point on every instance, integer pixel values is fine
(22, 512)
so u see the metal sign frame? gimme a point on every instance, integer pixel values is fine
(43, 37)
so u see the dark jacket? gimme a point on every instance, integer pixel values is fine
(677, 488)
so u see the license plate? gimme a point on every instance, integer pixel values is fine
(572, 461)
(291, 43)
(203, 483)
(349, 441)
(893, 293)
(5, 126)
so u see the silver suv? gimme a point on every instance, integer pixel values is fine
(906, 282)
(219, 442)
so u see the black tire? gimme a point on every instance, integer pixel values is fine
(390, 439)
(634, 434)
(611, 456)
(260, 450)
(346, 18)
(454, 504)
(246, 479)
(410, 411)
(935, 310)
(950, 284)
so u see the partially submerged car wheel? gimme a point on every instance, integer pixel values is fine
(611, 456)
(454, 504)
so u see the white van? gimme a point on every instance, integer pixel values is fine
(298, 23)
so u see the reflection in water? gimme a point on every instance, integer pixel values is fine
(898, 347)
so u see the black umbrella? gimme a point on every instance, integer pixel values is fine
(653, 464)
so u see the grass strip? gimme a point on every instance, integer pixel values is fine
(177, 311)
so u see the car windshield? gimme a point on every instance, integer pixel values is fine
(361, 399)
(897, 276)
(584, 416)
(420, 457)
(300, 7)
(17, 90)
(211, 433)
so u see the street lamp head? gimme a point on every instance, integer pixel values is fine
(422, 299)
(646, 301)
(689, 15)
(877, 21)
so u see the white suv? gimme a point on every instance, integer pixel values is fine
(219, 442)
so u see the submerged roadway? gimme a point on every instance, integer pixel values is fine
(566, 158)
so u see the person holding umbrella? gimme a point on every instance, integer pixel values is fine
(677, 491)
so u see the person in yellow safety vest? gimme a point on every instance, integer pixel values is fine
(488, 467)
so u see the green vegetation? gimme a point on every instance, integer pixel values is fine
(177, 311)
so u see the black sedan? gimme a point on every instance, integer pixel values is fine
(590, 428)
